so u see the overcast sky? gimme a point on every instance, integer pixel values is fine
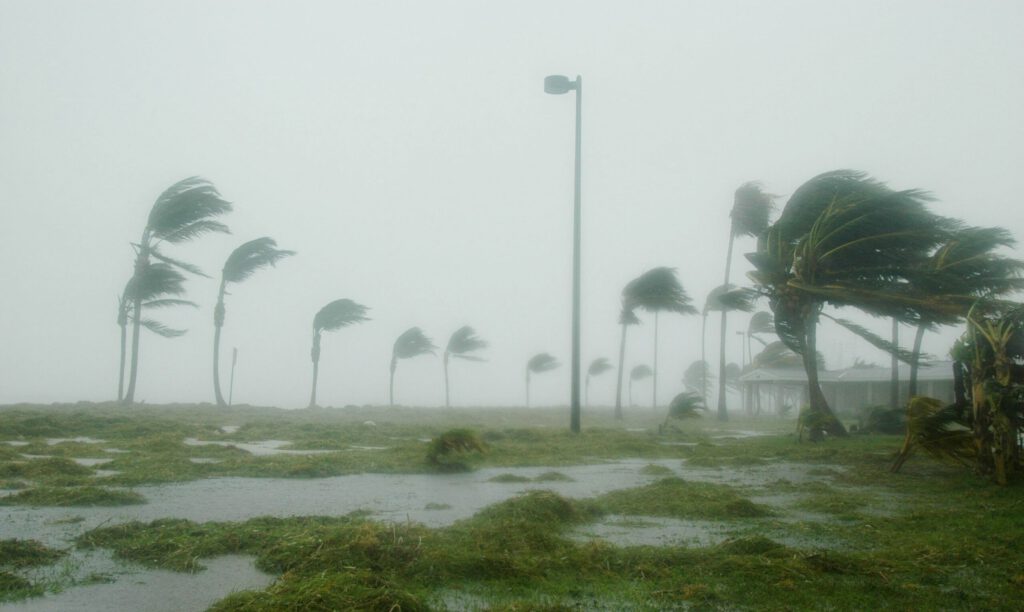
(407, 151)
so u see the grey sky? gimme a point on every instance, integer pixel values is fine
(407, 151)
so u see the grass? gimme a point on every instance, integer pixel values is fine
(17, 555)
(846, 535)
(72, 496)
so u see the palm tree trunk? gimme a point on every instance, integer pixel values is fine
(218, 323)
(391, 384)
(447, 402)
(723, 414)
(586, 392)
(141, 263)
(894, 378)
(703, 357)
(314, 354)
(815, 397)
(618, 384)
(527, 387)
(630, 391)
(654, 385)
(124, 347)
(915, 362)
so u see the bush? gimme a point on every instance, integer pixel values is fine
(450, 450)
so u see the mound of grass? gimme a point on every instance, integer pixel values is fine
(350, 590)
(72, 496)
(43, 468)
(552, 477)
(655, 470)
(508, 478)
(19, 554)
(678, 498)
(13, 586)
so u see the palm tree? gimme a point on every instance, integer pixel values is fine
(722, 298)
(597, 367)
(333, 316)
(639, 372)
(626, 318)
(412, 343)
(242, 263)
(655, 291)
(749, 216)
(463, 342)
(156, 288)
(695, 377)
(686, 405)
(761, 323)
(184, 211)
(845, 239)
(538, 364)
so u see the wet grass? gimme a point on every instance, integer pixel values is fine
(72, 496)
(17, 555)
(846, 534)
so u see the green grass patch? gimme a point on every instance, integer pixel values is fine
(678, 498)
(18, 554)
(72, 496)
(508, 478)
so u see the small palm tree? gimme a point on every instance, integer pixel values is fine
(412, 343)
(639, 372)
(242, 263)
(463, 342)
(695, 377)
(184, 211)
(597, 367)
(538, 364)
(626, 318)
(156, 287)
(337, 314)
(723, 298)
(686, 405)
(657, 290)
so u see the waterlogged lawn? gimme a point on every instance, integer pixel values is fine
(794, 526)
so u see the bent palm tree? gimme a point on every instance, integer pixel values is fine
(412, 343)
(463, 342)
(845, 239)
(184, 211)
(749, 216)
(538, 364)
(723, 298)
(639, 372)
(626, 318)
(242, 263)
(597, 367)
(657, 290)
(156, 288)
(686, 405)
(333, 316)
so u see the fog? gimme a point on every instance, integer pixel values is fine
(408, 153)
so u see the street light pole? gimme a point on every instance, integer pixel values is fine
(558, 84)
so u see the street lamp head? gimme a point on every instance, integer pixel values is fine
(558, 84)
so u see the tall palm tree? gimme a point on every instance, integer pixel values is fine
(657, 290)
(723, 298)
(845, 239)
(463, 342)
(412, 343)
(184, 211)
(751, 209)
(626, 318)
(157, 288)
(597, 367)
(538, 364)
(242, 263)
(333, 316)
(639, 372)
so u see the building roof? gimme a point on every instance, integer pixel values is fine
(934, 371)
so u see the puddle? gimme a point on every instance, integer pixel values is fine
(28, 456)
(137, 588)
(739, 433)
(204, 460)
(90, 462)
(79, 440)
(652, 531)
(229, 429)
(106, 473)
(16, 442)
(262, 448)
(368, 448)
(114, 450)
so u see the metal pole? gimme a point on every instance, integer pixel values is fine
(574, 424)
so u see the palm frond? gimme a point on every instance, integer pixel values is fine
(412, 343)
(245, 260)
(641, 372)
(628, 317)
(658, 289)
(938, 430)
(177, 263)
(195, 230)
(338, 314)
(877, 341)
(464, 340)
(686, 405)
(468, 358)
(168, 302)
(730, 298)
(542, 362)
(778, 355)
(695, 375)
(155, 281)
(599, 366)
(184, 204)
(751, 209)
(162, 330)
(761, 323)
